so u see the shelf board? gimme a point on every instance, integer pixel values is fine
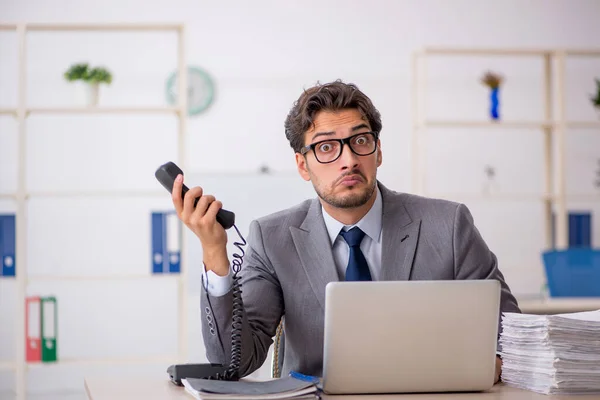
(491, 197)
(583, 197)
(475, 51)
(167, 359)
(103, 27)
(8, 27)
(583, 124)
(8, 111)
(478, 51)
(101, 193)
(583, 52)
(489, 124)
(510, 124)
(86, 194)
(102, 110)
(108, 277)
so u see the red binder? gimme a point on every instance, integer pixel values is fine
(33, 329)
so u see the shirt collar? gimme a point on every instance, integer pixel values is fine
(370, 224)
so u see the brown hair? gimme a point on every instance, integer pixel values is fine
(332, 96)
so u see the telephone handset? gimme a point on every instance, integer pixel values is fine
(166, 175)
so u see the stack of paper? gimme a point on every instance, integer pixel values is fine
(552, 354)
(284, 388)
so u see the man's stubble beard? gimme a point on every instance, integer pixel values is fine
(350, 200)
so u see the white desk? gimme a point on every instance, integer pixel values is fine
(163, 389)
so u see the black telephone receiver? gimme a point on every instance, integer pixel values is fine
(166, 175)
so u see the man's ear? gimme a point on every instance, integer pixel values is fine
(379, 156)
(302, 168)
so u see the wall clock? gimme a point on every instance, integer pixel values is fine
(200, 91)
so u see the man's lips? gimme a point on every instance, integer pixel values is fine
(351, 180)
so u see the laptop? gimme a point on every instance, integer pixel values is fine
(410, 336)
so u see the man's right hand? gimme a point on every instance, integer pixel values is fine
(202, 220)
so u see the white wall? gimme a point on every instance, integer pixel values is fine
(262, 54)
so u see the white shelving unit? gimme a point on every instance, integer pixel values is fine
(552, 125)
(21, 112)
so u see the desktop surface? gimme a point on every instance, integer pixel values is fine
(153, 388)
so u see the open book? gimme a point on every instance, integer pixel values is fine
(283, 388)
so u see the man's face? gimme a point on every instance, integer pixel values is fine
(350, 180)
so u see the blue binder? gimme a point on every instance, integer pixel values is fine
(158, 248)
(166, 243)
(580, 230)
(7, 245)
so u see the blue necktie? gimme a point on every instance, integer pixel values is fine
(358, 269)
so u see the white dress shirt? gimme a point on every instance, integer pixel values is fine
(370, 224)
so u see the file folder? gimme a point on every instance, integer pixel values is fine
(33, 330)
(580, 230)
(158, 248)
(173, 241)
(49, 325)
(7, 245)
(166, 243)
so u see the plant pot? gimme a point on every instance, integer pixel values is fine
(86, 94)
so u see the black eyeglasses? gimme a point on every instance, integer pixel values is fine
(327, 151)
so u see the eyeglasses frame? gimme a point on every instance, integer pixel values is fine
(304, 150)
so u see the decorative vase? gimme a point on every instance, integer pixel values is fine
(494, 103)
(86, 94)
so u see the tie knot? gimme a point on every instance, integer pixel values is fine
(353, 237)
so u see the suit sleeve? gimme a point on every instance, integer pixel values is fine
(262, 311)
(474, 260)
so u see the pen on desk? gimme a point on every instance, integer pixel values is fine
(302, 377)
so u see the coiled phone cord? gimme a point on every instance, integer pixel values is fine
(232, 372)
(238, 309)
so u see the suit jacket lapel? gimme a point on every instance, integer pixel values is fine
(400, 237)
(314, 249)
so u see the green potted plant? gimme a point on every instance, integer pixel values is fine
(87, 81)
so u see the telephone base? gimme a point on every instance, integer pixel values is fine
(177, 372)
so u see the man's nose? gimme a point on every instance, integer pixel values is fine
(348, 159)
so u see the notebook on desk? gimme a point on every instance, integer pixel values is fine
(284, 388)
(410, 336)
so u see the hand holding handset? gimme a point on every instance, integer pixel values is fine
(166, 175)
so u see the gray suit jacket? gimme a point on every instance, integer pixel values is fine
(289, 261)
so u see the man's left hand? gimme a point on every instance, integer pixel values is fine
(498, 369)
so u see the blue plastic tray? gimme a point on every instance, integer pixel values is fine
(573, 272)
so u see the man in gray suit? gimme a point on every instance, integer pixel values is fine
(356, 229)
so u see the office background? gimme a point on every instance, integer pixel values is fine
(91, 175)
